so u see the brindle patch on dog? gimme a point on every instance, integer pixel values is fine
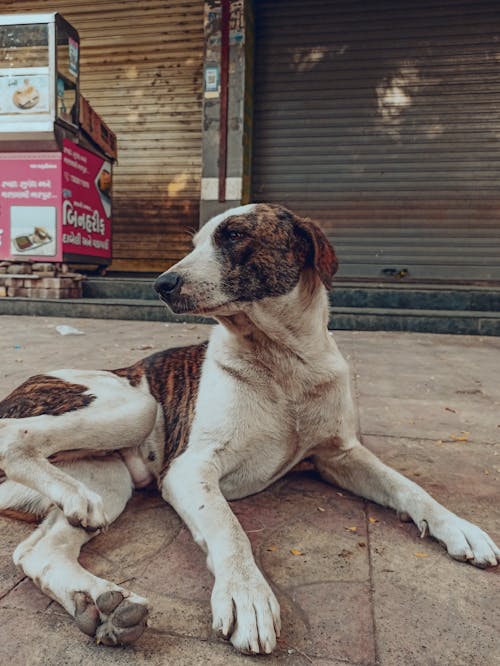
(19, 515)
(321, 255)
(173, 377)
(254, 265)
(133, 373)
(257, 264)
(43, 394)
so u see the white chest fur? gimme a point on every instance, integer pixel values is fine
(258, 414)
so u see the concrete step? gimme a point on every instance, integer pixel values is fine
(136, 288)
(344, 294)
(471, 322)
(95, 308)
(417, 296)
(459, 322)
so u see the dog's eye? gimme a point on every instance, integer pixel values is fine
(234, 236)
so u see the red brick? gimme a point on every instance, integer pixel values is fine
(49, 283)
(44, 268)
(13, 282)
(20, 269)
(18, 292)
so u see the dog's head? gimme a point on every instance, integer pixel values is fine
(245, 255)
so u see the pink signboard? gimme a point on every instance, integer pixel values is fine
(55, 206)
(30, 215)
(86, 204)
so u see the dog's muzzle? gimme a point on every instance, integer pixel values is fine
(168, 284)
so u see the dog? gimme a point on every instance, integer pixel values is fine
(208, 423)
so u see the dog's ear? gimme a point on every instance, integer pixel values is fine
(320, 254)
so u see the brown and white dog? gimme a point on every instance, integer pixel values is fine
(211, 422)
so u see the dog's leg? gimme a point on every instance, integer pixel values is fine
(80, 504)
(243, 605)
(49, 556)
(360, 471)
(119, 417)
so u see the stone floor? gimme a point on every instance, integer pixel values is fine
(356, 586)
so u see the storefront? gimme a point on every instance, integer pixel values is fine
(141, 69)
(56, 153)
(381, 120)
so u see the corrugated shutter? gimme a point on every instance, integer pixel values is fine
(141, 69)
(382, 120)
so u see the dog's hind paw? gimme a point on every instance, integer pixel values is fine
(113, 619)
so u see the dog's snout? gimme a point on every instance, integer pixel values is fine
(168, 283)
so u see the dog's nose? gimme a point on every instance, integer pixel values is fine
(167, 283)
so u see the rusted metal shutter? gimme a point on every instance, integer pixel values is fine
(141, 69)
(382, 120)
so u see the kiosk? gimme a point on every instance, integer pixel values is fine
(56, 153)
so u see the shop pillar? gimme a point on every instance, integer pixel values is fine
(227, 106)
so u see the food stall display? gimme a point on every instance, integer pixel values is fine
(55, 169)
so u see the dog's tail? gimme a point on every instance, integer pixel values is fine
(22, 503)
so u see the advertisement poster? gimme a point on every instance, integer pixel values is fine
(30, 195)
(86, 207)
(24, 93)
(73, 48)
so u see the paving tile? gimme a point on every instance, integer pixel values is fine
(429, 418)
(163, 649)
(105, 344)
(26, 596)
(43, 639)
(302, 480)
(430, 610)
(331, 662)
(182, 617)
(12, 533)
(325, 546)
(179, 571)
(302, 497)
(465, 477)
(340, 622)
(143, 531)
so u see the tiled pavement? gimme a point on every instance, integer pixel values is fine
(356, 586)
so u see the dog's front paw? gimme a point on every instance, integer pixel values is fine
(463, 540)
(85, 508)
(246, 611)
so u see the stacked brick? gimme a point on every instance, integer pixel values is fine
(37, 280)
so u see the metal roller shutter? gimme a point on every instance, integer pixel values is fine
(141, 69)
(382, 120)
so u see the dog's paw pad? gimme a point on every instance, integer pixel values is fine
(130, 614)
(86, 614)
(123, 621)
(108, 601)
